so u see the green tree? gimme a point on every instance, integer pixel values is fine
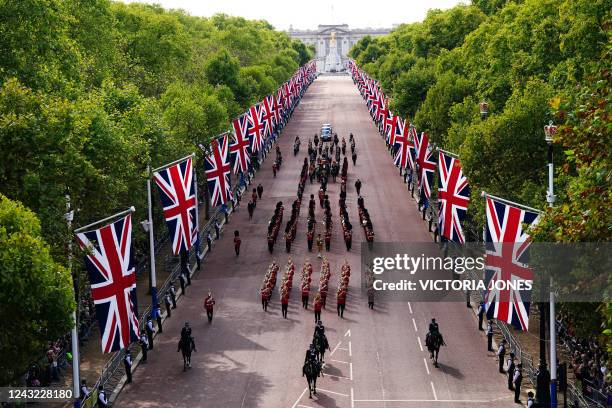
(37, 295)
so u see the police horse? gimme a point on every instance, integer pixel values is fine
(311, 370)
(433, 341)
(321, 344)
(186, 346)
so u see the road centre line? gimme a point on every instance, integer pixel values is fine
(410, 307)
(338, 361)
(350, 350)
(434, 390)
(414, 323)
(426, 366)
(351, 370)
(420, 344)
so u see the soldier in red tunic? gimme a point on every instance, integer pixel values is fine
(209, 303)
(284, 302)
(341, 300)
(305, 294)
(237, 242)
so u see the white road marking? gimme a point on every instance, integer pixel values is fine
(350, 350)
(342, 348)
(332, 392)
(304, 406)
(420, 344)
(352, 398)
(426, 366)
(338, 361)
(299, 398)
(348, 333)
(335, 348)
(410, 307)
(423, 400)
(351, 370)
(335, 376)
(434, 390)
(414, 323)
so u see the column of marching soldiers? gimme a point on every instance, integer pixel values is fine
(323, 162)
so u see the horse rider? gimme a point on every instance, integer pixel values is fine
(311, 354)
(319, 329)
(433, 326)
(186, 331)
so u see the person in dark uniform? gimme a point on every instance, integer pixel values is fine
(182, 281)
(127, 364)
(481, 311)
(518, 380)
(102, 400)
(150, 331)
(501, 354)
(209, 241)
(237, 242)
(259, 190)
(490, 336)
(371, 297)
(358, 186)
(433, 326)
(354, 157)
(144, 346)
(186, 331)
(168, 303)
(250, 208)
(510, 372)
(530, 400)
(158, 318)
(173, 295)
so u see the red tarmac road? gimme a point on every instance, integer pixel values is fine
(250, 358)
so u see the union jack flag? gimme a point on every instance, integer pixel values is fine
(507, 252)
(403, 143)
(177, 192)
(255, 130)
(426, 164)
(268, 116)
(108, 259)
(390, 124)
(218, 170)
(453, 197)
(240, 149)
(277, 107)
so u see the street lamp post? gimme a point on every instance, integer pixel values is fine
(549, 132)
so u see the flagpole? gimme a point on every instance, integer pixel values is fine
(149, 228)
(503, 200)
(550, 130)
(74, 333)
(173, 163)
(119, 214)
(197, 214)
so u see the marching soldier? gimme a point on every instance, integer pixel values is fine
(328, 240)
(319, 245)
(354, 157)
(357, 185)
(254, 197)
(317, 305)
(265, 298)
(284, 302)
(237, 242)
(259, 190)
(371, 297)
(348, 239)
(209, 303)
(341, 300)
(305, 294)
(250, 208)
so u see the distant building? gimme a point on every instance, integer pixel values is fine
(345, 38)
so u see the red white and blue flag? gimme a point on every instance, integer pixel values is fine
(403, 144)
(268, 115)
(108, 259)
(217, 169)
(453, 197)
(277, 107)
(240, 149)
(177, 191)
(507, 254)
(255, 129)
(426, 163)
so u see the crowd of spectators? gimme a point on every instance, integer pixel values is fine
(588, 361)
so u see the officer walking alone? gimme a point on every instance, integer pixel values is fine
(209, 303)
(237, 242)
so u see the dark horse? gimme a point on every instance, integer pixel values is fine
(434, 341)
(321, 344)
(312, 370)
(186, 346)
